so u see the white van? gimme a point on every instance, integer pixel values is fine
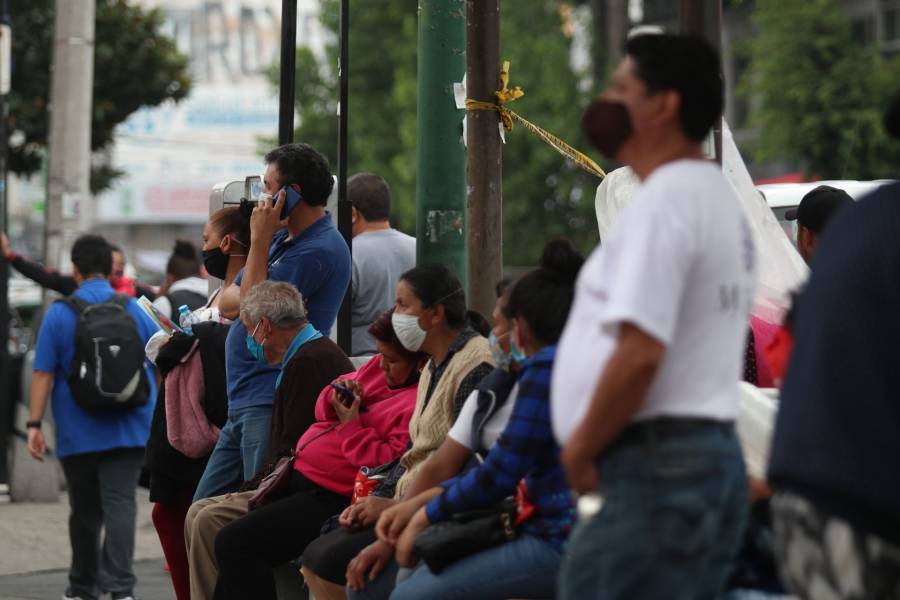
(783, 197)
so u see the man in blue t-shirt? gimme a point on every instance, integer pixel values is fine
(101, 452)
(304, 249)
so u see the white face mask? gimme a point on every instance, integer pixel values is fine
(408, 331)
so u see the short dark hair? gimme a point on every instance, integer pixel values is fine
(543, 297)
(687, 64)
(92, 255)
(184, 261)
(436, 284)
(305, 166)
(370, 195)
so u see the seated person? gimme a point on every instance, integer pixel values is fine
(526, 451)
(309, 362)
(372, 429)
(325, 561)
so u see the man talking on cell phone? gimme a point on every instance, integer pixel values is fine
(292, 239)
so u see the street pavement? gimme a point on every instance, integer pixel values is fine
(34, 552)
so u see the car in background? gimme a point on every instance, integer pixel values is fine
(783, 197)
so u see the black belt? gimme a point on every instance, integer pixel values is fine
(665, 427)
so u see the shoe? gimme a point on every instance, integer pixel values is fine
(128, 597)
(68, 596)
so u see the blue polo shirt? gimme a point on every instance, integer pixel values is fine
(317, 262)
(77, 430)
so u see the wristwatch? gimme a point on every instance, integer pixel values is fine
(32, 425)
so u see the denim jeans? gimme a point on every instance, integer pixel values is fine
(240, 452)
(523, 568)
(102, 489)
(674, 511)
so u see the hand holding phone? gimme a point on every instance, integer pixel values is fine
(343, 394)
(291, 199)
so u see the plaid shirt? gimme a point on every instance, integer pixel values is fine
(526, 449)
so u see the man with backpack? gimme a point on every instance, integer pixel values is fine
(90, 352)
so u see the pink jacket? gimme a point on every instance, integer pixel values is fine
(330, 453)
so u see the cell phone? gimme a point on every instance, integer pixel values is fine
(291, 199)
(344, 394)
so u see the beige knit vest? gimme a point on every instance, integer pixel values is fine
(429, 424)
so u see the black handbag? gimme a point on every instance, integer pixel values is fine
(444, 543)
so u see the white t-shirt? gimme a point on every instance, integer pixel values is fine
(679, 263)
(462, 429)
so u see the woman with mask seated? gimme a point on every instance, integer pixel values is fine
(526, 452)
(326, 560)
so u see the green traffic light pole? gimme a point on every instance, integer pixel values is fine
(440, 154)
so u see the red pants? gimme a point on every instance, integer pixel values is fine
(169, 522)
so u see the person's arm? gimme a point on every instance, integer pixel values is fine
(448, 460)
(41, 383)
(365, 445)
(619, 395)
(37, 272)
(229, 301)
(264, 223)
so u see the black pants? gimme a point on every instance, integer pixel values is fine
(102, 489)
(329, 555)
(249, 547)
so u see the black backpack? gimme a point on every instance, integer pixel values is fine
(108, 366)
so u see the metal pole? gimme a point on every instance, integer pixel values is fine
(288, 69)
(7, 402)
(71, 98)
(440, 155)
(345, 225)
(704, 18)
(484, 188)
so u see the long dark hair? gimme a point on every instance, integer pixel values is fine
(543, 297)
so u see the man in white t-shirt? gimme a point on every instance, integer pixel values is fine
(643, 391)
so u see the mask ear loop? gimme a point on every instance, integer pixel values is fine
(236, 241)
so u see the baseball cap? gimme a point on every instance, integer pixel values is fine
(818, 206)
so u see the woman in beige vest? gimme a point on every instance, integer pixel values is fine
(430, 316)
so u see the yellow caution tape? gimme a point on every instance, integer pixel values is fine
(507, 117)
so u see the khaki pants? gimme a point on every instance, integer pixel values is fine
(204, 520)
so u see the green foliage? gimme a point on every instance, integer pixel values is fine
(134, 66)
(544, 195)
(821, 93)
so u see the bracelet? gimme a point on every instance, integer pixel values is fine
(32, 425)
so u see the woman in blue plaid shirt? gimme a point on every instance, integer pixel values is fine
(526, 567)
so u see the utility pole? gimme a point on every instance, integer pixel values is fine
(6, 400)
(288, 68)
(484, 189)
(704, 18)
(345, 217)
(71, 97)
(440, 155)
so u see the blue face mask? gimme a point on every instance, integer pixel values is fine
(256, 348)
(502, 358)
(517, 356)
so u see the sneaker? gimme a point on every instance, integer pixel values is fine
(68, 596)
(128, 597)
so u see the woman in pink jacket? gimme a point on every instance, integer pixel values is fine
(366, 427)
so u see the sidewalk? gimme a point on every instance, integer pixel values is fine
(34, 551)
(153, 583)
